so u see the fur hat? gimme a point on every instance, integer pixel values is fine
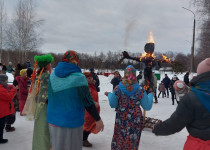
(204, 66)
(3, 77)
(179, 85)
(43, 60)
(87, 74)
(71, 56)
(23, 73)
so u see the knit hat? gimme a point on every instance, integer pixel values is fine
(3, 77)
(87, 74)
(178, 85)
(174, 77)
(204, 66)
(71, 56)
(23, 73)
(43, 60)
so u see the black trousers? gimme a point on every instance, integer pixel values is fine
(163, 93)
(85, 135)
(173, 96)
(155, 91)
(167, 91)
(2, 125)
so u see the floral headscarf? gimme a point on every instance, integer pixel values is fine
(129, 79)
(71, 57)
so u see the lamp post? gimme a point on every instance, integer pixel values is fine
(193, 42)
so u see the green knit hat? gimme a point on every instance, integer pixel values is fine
(43, 60)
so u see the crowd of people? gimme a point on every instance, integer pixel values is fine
(66, 110)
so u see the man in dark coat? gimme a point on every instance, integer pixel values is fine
(166, 82)
(186, 79)
(139, 77)
(95, 77)
(172, 90)
(116, 80)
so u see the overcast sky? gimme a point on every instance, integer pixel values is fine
(102, 25)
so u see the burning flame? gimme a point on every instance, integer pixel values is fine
(147, 55)
(166, 59)
(151, 38)
(146, 86)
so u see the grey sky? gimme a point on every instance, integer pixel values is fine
(96, 25)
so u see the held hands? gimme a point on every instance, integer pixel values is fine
(106, 93)
(97, 105)
(99, 125)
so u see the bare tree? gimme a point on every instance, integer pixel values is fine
(22, 33)
(2, 26)
(203, 9)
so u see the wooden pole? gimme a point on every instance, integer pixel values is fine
(144, 116)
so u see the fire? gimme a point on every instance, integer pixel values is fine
(146, 86)
(151, 38)
(147, 55)
(166, 59)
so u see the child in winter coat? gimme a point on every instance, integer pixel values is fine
(12, 117)
(90, 124)
(193, 112)
(162, 89)
(23, 88)
(6, 105)
(127, 97)
(180, 89)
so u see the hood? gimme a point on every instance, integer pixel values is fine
(64, 69)
(202, 92)
(201, 87)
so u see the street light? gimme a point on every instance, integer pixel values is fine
(193, 42)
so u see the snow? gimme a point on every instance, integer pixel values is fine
(21, 139)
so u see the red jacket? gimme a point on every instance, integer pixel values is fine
(23, 87)
(6, 105)
(90, 123)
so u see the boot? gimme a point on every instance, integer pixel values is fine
(156, 101)
(86, 143)
(8, 128)
(2, 141)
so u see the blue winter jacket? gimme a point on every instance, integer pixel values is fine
(65, 106)
(146, 101)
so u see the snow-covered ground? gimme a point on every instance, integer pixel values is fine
(21, 139)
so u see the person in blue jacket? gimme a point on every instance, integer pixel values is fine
(68, 97)
(127, 98)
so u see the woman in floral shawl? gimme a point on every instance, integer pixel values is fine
(127, 98)
(41, 135)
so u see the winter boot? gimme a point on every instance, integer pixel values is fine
(156, 101)
(86, 143)
(8, 128)
(2, 141)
